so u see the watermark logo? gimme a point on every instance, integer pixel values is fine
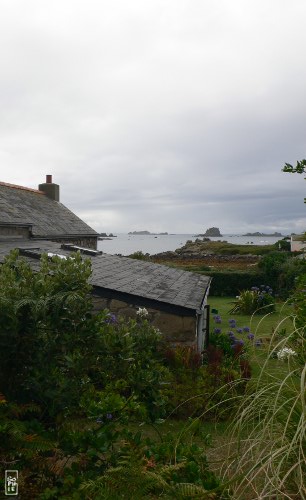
(11, 482)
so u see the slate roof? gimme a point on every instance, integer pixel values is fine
(48, 218)
(133, 279)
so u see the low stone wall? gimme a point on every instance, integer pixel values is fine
(176, 329)
(196, 255)
(81, 242)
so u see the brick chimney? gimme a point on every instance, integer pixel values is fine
(51, 190)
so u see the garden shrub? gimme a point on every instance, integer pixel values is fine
(229, 284)
(72, 382)
(200, 383)
(272, 263)
(291, 270)
(255, 301)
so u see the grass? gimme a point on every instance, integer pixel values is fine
(264, 327)
(261, 326)
(263, 455)
(269, 430)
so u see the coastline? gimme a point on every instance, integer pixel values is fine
(125, 244)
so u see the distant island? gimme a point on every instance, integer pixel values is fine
(263, 234)
(212, 231)
(104, 236)
(146, 233)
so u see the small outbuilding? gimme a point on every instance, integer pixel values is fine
(176, 300)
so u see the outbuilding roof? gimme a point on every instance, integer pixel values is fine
(47, 218)
(139, 282)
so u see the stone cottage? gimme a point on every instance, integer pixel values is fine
(37, 214)
(176, 300)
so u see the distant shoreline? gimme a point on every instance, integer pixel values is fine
(272, 235)
(146, 233)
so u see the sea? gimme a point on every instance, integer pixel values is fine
(126, 244)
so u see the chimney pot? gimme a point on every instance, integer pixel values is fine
(49, 179)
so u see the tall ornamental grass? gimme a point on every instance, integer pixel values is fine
(271, 423)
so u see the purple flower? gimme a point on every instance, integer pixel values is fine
(217, 316)
(217, 330)
(111, 318)
(258, 343)
(246, 329)
(109, 416)
(218, 320)
(239, 342)
(231, 335)
(250, 336)
(239, 330)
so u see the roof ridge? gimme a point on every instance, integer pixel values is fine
(15, 186)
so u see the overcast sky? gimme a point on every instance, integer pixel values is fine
(165, 115)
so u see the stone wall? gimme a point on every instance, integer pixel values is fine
(176, 329)
(82, 241)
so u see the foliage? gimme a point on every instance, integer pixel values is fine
(47, 316)
(42, 317)
(283, 244)
(272, 264)
(139, 255)
(167, 469)
(226, 284)
(255, 301)
(73, 382)
(290, 272)
(300, 168)
(200, 383)
(281, 269)
(129, 364)
(271, 419)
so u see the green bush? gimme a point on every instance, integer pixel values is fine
(290, 272)
(254, 301)
(199, 384)
(139, 255)
(229, 284)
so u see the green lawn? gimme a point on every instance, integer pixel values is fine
(267, 328)
(261, 325)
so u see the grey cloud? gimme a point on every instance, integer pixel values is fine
(170, 116)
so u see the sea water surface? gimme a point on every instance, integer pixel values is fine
(126, 244)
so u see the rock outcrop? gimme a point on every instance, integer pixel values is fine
(212, 231)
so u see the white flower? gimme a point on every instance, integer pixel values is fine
(285, 353)
(142, 312)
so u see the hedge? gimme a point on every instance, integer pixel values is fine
(232, 283)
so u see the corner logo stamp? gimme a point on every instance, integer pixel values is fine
(11, 482)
